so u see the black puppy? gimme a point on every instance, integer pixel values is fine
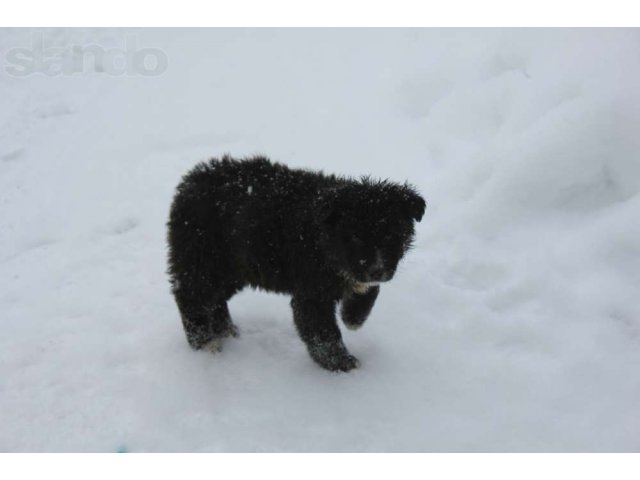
(320, 238)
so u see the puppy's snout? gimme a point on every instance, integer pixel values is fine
(377, 273)
(376, 269)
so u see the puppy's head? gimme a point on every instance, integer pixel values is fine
(368, 227)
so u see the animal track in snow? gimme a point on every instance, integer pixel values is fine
(31, 246)
(13, 154)
(124, 225)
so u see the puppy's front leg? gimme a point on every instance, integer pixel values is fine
(318, 328)
(356, 306)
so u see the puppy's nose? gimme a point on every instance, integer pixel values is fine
(376, 273)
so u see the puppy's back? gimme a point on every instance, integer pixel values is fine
(246, 218)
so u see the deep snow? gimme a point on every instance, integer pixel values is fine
(514, 325)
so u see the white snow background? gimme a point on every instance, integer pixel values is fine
(514, 325)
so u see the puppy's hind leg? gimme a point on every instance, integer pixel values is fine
(221, 327)
(205, 318)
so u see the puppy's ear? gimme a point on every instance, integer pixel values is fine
(415, 204)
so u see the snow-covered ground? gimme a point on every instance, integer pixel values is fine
(513, 326)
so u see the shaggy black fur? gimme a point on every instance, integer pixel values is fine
(321, 238)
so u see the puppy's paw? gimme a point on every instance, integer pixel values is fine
(214, 345)
(344, 363)
(352, 325)
(217, 342)
(357, 305)
(347, 363)
(333, 357)
(232, 331)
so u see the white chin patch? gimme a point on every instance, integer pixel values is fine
(352, 327)
(363, 287)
